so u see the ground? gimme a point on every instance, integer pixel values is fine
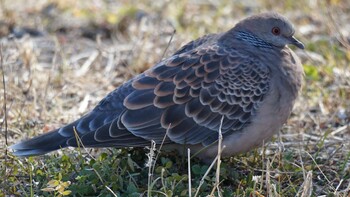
(59, 58)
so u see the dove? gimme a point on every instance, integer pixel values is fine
(243, 81)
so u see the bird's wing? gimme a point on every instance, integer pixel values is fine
(187, 94)
(205, 40)
(183, 98)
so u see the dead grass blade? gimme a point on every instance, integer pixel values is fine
(168, 45)
(189, 172)
(4, 110)
(150, 164)
(220, 147)
(307, 189)
(217, 160)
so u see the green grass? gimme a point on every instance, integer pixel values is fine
(45, 89)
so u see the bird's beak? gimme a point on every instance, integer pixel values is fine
(296, 42)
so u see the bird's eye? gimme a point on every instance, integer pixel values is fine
(276, 31)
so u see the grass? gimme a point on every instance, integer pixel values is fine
(54, 79)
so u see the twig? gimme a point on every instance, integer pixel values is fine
(5, 99)
(307, 189)
(99, 176)
(87, 64)
(110, 190)
(150, 164)
(189, 172)
(4, 108)
(268, 180)
(325, 177)
(167, 47)
(217, 177)
(207, 172)
(338, 130)
(205, 175)
(160, 147)
(219, 152)
(336, 189)
(80, 143)
(162, 179)
(263, 155)
(346, 190)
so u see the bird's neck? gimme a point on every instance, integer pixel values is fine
(253, 40)
(237, 37)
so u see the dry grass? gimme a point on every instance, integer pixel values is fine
(53, 79)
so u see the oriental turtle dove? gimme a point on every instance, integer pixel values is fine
(246, 76)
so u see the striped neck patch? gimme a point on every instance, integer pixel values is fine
(253, 40)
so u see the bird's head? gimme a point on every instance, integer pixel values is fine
(271, 28)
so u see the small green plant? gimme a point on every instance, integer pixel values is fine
(58, 187)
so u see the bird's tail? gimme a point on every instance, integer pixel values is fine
(40, 145)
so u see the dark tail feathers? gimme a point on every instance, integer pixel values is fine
(40, 145)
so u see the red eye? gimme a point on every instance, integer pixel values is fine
(276, 31)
